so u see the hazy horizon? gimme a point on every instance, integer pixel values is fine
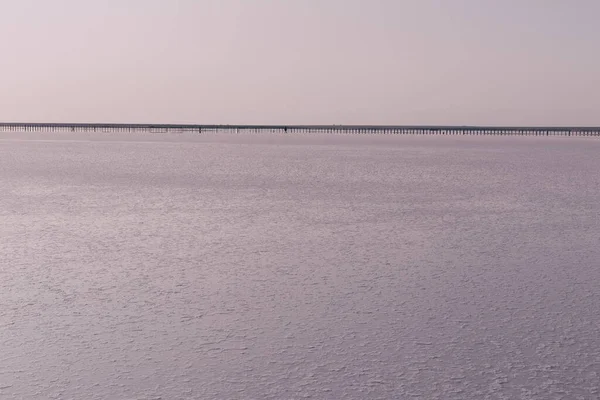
(385, 62)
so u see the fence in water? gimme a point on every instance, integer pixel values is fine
(347, 129)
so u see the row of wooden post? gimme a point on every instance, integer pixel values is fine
(296, 129)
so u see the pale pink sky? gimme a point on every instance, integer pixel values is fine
(301, 61)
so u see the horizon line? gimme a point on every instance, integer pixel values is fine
(294, 126)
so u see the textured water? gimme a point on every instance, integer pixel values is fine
(274, 267)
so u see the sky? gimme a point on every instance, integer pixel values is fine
(457, 62)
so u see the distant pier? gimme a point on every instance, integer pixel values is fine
(291, 129)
